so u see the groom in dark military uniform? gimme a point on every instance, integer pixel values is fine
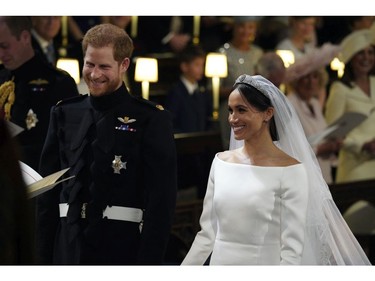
(118, 208)
(29, 87)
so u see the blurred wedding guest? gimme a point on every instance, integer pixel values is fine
(187, 99)
(271, 30)
(312, 78)
(16, 229)
(214, 32)
(302, 36)
(29, 86)
(318, 57)
(44, 31)
(355, 92)
(242, 56)
(159, 34)
(271, 66)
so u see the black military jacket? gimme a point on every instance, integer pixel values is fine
(86, 134)
(38, 87)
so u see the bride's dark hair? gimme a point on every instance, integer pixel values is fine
(259, 101)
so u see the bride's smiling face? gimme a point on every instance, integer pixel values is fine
(246, 121)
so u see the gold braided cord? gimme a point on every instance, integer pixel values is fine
(7, 97)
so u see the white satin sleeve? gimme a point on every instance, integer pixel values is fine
(204, 240)
(294, 199)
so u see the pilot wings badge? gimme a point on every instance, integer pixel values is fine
(126, 120)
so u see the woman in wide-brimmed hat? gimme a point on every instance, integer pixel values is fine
(355, 92)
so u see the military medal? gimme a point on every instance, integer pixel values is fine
(117, 164)
(31, 119)
(125, 128)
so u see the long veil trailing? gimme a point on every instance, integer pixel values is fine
(328, 239)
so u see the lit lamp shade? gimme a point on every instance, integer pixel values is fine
(287, 56)
(71, 66)
(216, 65)
(146, 70)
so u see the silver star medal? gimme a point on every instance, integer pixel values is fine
(117, 164)
(31, 119)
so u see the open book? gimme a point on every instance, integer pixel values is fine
(36, 184)
(340, 128)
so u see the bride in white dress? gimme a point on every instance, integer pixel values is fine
(266, 201)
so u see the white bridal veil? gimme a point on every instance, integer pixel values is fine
(328, 239)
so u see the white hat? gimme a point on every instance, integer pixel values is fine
(355, 42)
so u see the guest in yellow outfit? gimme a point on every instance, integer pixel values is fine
(355, 92)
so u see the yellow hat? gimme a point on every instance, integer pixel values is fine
(355, 42)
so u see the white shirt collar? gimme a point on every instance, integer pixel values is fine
(42, 42)
(191, 87)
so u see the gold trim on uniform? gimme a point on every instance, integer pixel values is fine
(159, 106)
(7, 97)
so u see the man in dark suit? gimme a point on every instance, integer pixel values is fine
(29, 87)
(118, 209)
(45, 30)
